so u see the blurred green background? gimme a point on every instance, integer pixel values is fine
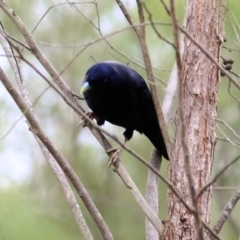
(32, 205)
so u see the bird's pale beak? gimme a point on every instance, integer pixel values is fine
(85, 87)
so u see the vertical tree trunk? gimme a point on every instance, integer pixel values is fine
(199, 97)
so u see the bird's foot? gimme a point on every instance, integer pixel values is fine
(84, 121)
(115, 154)
(92, 116)
(77, 97)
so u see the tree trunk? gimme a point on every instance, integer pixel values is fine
(199, 104)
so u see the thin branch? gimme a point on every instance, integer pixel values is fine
(231, 49)
(139, 63)
(92, 42)
(209, 56)
(11, 128)
(57, 5)
(166, 8)
(128, 17)
(226, 211)
(235, 74)
(74, 206)
(236, 144)
(229, 91)
(103, 37)
(224, 188)
(154, 27)
(217, 176)
(83, 15)
(14, 39)
(228, 127)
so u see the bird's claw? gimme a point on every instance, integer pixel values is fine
(115, 155)
(84, 122)
(77, 97)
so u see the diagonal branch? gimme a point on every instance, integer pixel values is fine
(52, 162)
(38, 131)
(217, 176)
(226, 211)
(67, 191)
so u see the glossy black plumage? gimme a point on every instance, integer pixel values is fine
(119, 95)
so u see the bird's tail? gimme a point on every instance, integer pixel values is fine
(155, 136)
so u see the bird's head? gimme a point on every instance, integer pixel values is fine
(98, 76)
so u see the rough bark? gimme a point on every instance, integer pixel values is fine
(200, 82)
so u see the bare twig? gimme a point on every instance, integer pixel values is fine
(209, 56)
(166, 7)
(217, 188)
(235, 144)
(11, 128)
(228, 127)
(14, 39)
(230, 93)
(217, 176)
(226, 211)
(231, 49)
(57, 5)
(74, 206)
(154, 27)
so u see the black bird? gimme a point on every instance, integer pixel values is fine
(118, 94)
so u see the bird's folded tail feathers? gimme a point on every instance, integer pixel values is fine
(157, 140)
